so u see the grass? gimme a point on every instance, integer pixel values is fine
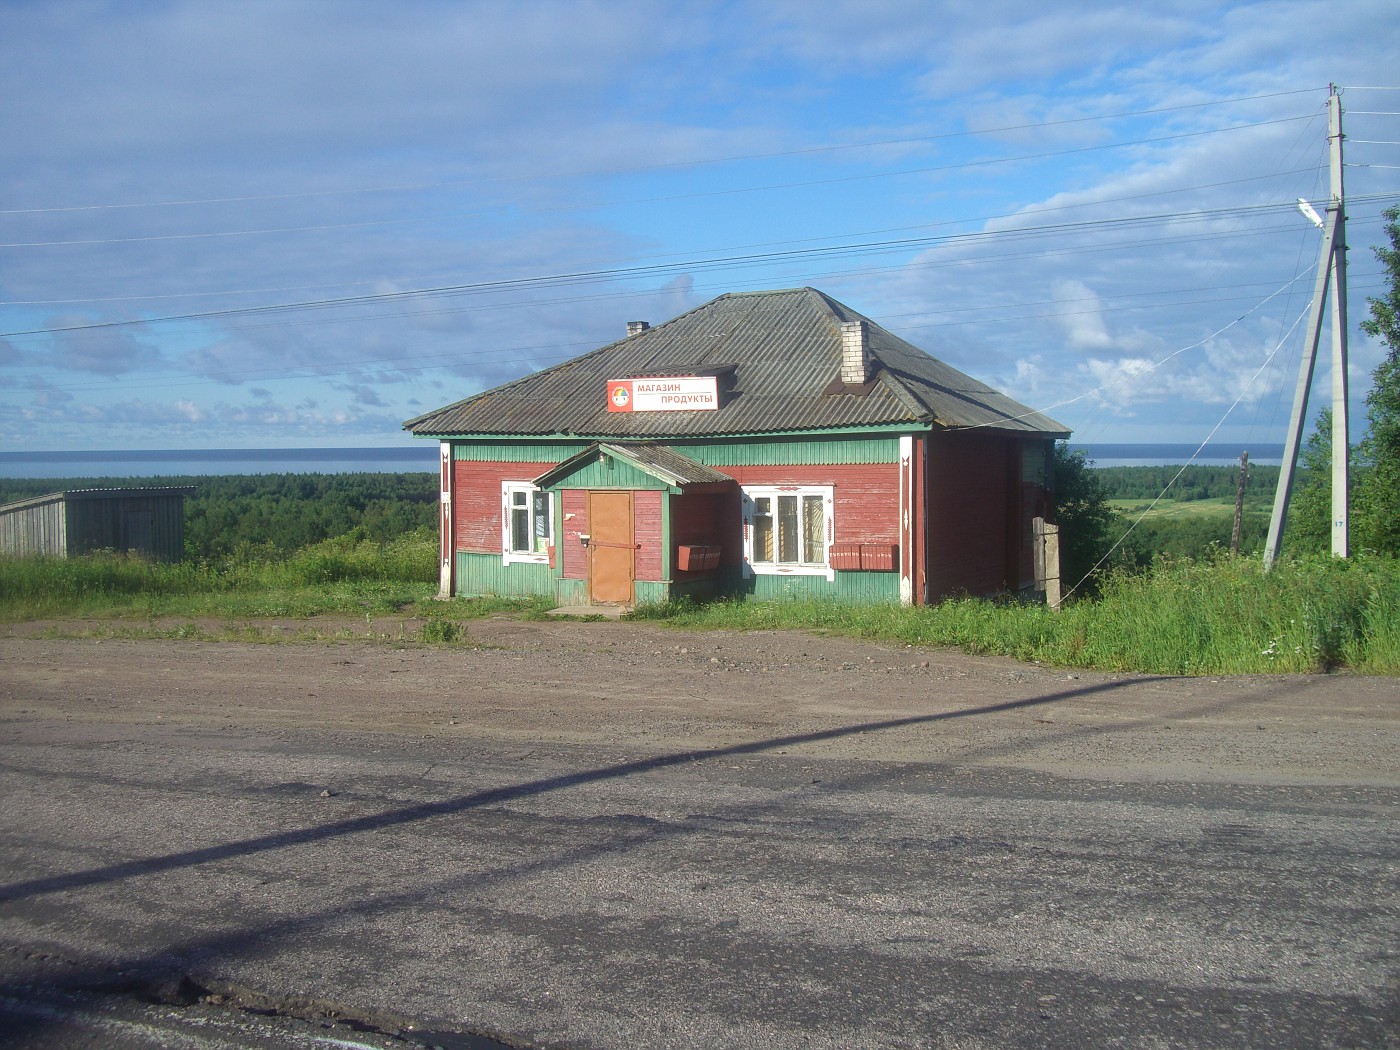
(339, 577)
(1168, 509)
(1182, 616)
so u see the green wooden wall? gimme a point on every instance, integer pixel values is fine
(517, 451)
(739, 452)
(484, 574)
(758, 452)
(613, 474)
(855, 587)
(479, 574)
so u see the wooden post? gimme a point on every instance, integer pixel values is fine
(1046, 549)
(1038, 551)
(1239, 503)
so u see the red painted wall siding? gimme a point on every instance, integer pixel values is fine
(476, 500)
(866, 495)
(709, 519)
(978, 510)
(646, 533)
(575, 502)
(971, 510)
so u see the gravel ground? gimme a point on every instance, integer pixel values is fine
(606, 834)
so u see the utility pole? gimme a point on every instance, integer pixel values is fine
(1239, 503)
(1331, 269)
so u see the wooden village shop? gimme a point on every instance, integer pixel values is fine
(767, 443)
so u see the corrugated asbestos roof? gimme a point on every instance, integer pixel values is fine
(785, 351)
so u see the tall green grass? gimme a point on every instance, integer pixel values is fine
(337, 575)
(1214, 616)
(1218, 616)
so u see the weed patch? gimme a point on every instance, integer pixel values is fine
(1217, 615)
(1220, 615)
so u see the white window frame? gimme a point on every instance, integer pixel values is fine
(509, 555)
(753, 567)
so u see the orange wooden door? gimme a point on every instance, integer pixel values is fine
(612, 551)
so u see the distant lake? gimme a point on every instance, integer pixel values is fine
(151, 463)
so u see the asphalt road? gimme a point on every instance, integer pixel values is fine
(599, 894)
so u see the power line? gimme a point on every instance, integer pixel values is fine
(695, 195)
(638, 169)
(633, 272)
(1100, 202)
(420, 362)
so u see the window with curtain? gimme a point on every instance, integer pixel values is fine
(787, 528)
(527, 522)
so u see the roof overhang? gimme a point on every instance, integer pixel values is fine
(678, 472)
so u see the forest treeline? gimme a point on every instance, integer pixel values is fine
(1195, 515)
(264, 515)
(1194, 482)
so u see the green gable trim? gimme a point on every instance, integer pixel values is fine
(522, 451)
(761, 450)
(577, 441)
(612, 473)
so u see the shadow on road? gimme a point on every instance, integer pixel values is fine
(156, 966)
(425, 811)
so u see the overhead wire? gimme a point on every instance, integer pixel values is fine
(1319, 167)
(667, 198)
(1020, 214)
(420, 362)
(671, 165)
(1214, 430)
(633, 272)
(582, 277)
(1156, 365)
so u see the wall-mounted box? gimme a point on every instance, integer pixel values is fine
(879, 557)
(697, 558)
(863, 557)
(844, 556)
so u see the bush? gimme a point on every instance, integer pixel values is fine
(440, 630)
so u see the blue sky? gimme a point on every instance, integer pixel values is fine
(301, 223)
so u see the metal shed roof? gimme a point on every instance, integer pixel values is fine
(777, 354)
(145, 492)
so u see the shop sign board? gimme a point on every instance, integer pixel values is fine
(663, 394)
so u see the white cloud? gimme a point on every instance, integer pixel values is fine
(190, 411)
(1080, 316)
(561, 138)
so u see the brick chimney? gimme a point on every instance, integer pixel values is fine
(637, 327)
(855, 353)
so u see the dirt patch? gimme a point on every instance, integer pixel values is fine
(653, 689)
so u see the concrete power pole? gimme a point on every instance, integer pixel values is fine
(1331, 269)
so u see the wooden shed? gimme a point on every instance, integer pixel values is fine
(771, 444)
(145, 521)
